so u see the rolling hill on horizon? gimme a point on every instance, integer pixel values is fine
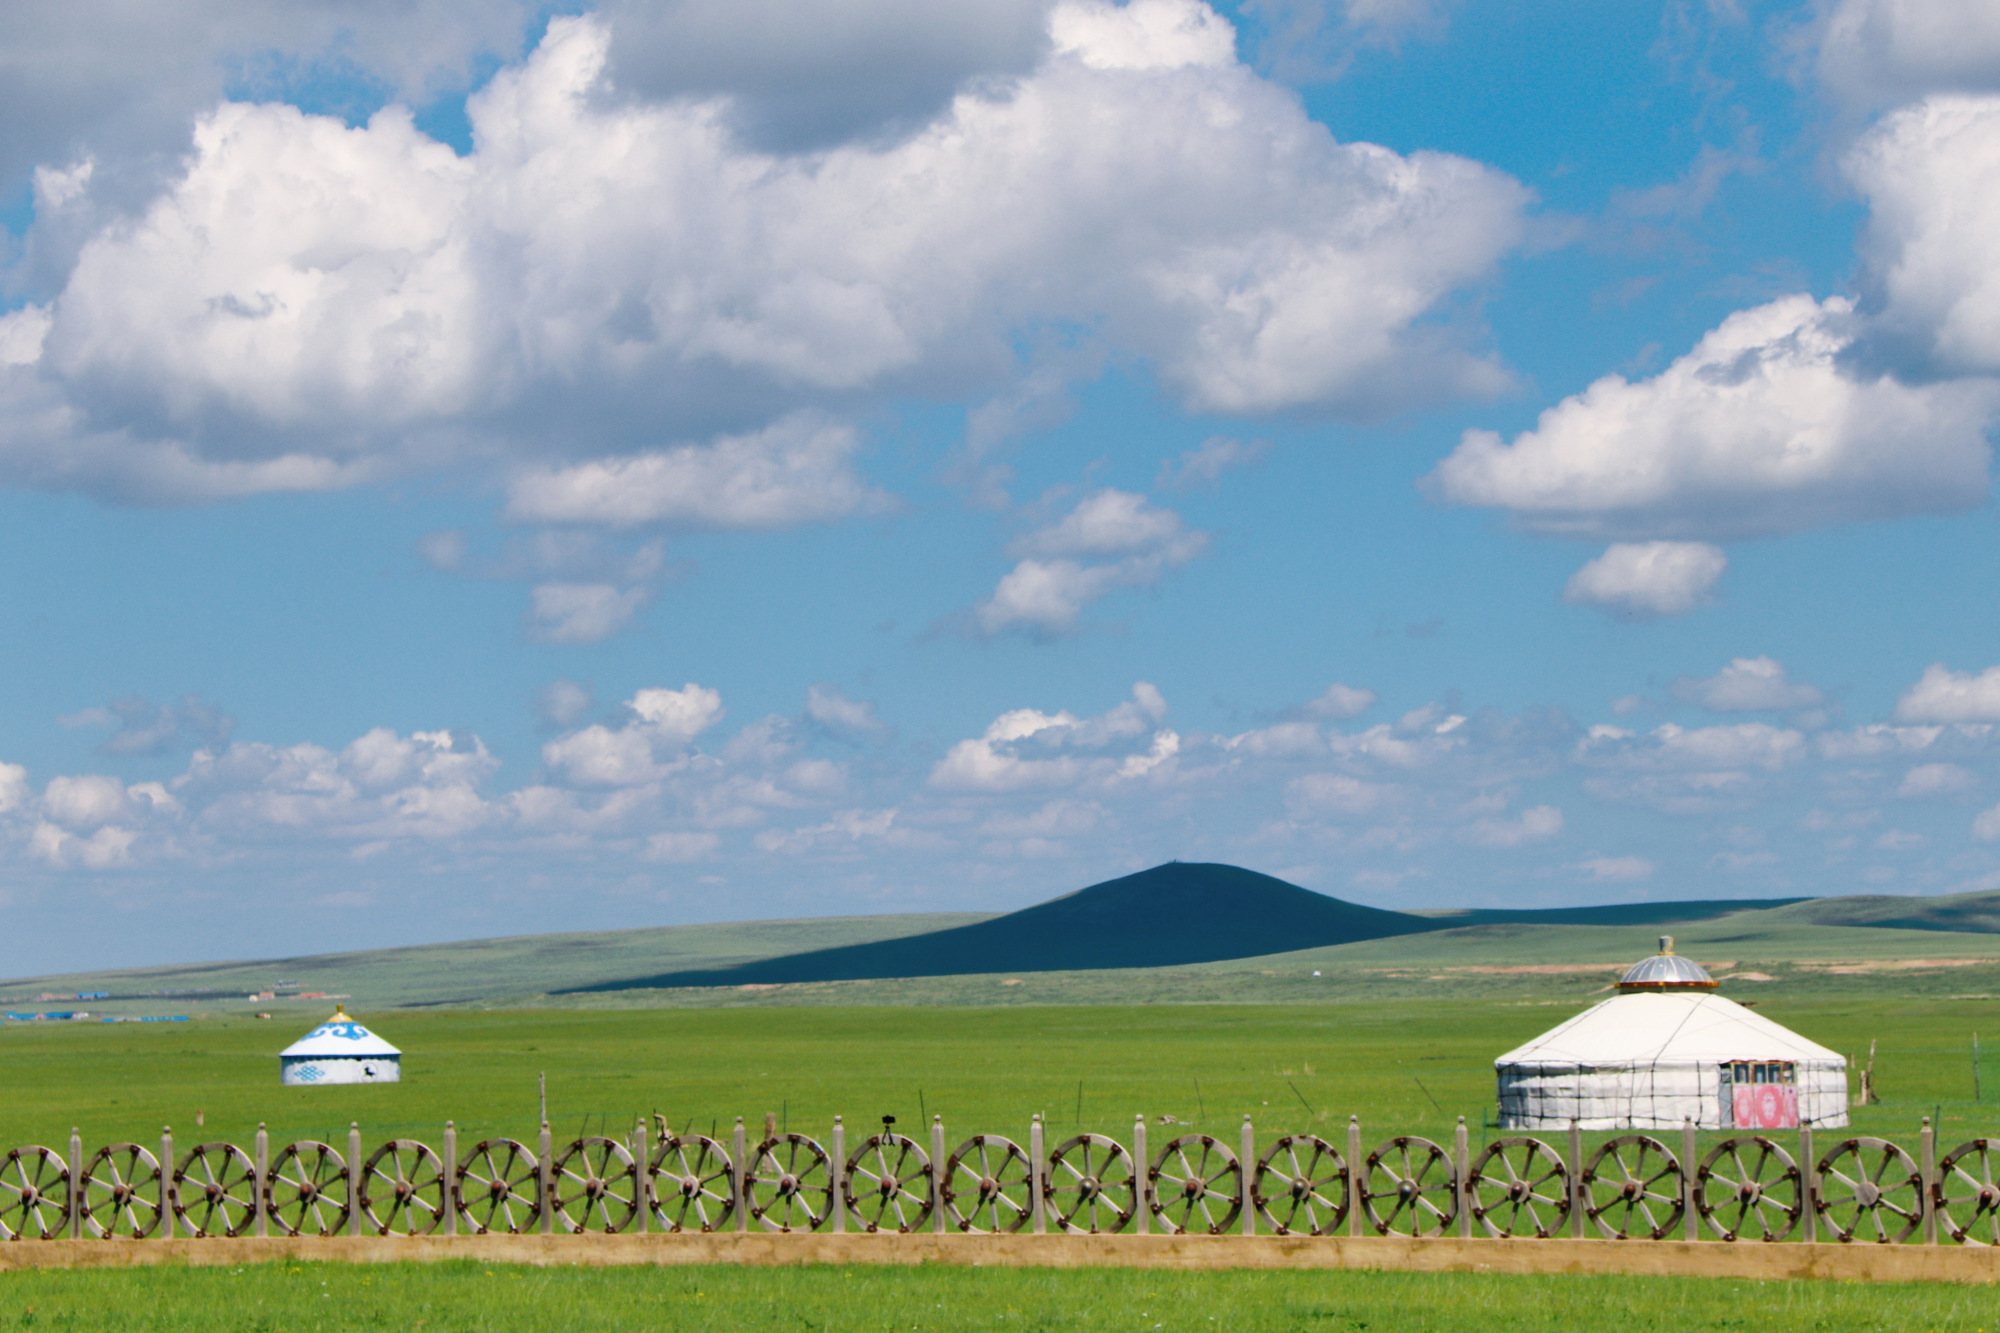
(1099, 931)
(1174, 914)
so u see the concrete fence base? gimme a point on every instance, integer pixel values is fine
(1862, 1263)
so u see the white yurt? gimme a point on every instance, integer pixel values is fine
(340, 1050)
(1667, 1049)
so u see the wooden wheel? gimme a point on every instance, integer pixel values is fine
(120, 1193)
(789, 1186)
(1197, 1185)
(1091, 1186)
(499, 1188)
(986, 1185)
(1748, 1189)
(402, 1189)
(305, 1193)
(887, 1185)
(215, 1190)
(1869, 1189)
(1300, 1186)
(1519, 1187)
(1966, 1196)
(694, 1184)
(596, 1185)
(34, 1194)
(1409, 1188)
(1632, 1187)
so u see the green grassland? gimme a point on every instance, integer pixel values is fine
(1404, 1066)
(467, 1296)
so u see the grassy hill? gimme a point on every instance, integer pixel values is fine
(1942, 946)
(474, 969)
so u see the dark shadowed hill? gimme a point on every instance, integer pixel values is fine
(1182, 912)
(1620, 914)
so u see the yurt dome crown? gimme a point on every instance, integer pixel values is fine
(1666, 970)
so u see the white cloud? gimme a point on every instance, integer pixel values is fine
(682, 847)
(561, 702)
(1617, 869)
(1339, 702)
(84, 802)
(648, 747)
(1944, 695)
(140, 728)
(1747, 685)
(1876, 52)
(1644, 580)
(1535, 824)
(1026, 748)
(1931, 276)
(310, 305)
(1050, 586)
(1935, 780)
(1986, 826)
(107, 847)
(1759, 430)
(581, 612)
(794, 471)
(826, 705)
(1202, 467)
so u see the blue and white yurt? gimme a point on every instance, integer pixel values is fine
(340, 1050)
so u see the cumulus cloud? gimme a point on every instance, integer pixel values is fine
(1944, 695)
(1201, 467)
(1874, 53)
(311, 304)
(650, 744)
(1026, 748)
(1748, 685)
(1133, 542)
(1339, 795)
(1759, 430)
(1931, 250)
(1647, 580)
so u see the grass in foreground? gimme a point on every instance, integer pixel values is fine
(471, 1296)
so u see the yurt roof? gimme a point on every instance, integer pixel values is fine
(340, 1036)
(1666, 970)
(1665, 1027)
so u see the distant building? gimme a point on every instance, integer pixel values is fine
(339, 1050)
(1667, 1049)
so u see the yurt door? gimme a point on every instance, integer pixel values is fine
(1760, 1094)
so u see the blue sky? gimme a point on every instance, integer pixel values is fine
(471, 468)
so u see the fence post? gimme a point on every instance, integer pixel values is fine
(1577, 1196)
(1690, 1214)
(75, 1219)
(737, 1178)
(450, 1178)
(937, 1174)
(1355, 1168)
(1246, 1196)
(1142, 1178)
(1809, 1181)
(167, 1192)
(263, 1164)
(643, 1187)
(547, 1168)
(354, 1177)
(1036, 1179)
(1461, 1162)
(1928, 1138)
(836, 1171)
